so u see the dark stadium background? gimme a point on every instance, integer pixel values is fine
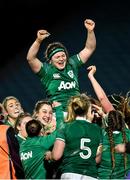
(19, 22)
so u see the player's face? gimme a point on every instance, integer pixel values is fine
(13, 108)
(45, 114)
(59, 60)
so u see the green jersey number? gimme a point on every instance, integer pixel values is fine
(84, 147)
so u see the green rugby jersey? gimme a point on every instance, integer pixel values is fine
(20, 138)
(32, 152)
(59, 85)
(33, 149)
(105, 170)
(81, 139)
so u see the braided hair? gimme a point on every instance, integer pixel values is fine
(116, 123)
(122, 103)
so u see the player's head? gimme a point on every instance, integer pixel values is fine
(43, 111)
(12, 107)
(116, 120)
(78, 106)
(122, 103)
(33, 128)
(57, 54)
(20, 123)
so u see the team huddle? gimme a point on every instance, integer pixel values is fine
(69, 134)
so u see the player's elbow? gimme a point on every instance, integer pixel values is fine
(56, 156)
(29, 57)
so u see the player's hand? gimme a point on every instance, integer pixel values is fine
(42, 34)
(89, 24)
(48, 155)
(92, 70)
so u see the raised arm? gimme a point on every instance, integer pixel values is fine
(106, 104)
(32, 59)
(90, 44)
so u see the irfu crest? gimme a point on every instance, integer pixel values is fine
(71, 74)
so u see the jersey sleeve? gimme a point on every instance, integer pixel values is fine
(61, 134)
(42, 71)
(75, 61)
(48, 141)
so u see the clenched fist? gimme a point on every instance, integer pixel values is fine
(89, 24)
(42, 34)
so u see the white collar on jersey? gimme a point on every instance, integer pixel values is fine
(116, 132)
(82, 118)
(21, 136)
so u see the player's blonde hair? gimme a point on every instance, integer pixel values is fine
(77, 105)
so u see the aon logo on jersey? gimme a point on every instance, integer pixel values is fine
(67, 85)
(25, 156)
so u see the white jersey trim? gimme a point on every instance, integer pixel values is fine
(60, 139)
(78, 57)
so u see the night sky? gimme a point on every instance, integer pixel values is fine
(20, 19)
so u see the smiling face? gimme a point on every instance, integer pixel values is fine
(45, 114)
(13, 108)
(59, 60)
